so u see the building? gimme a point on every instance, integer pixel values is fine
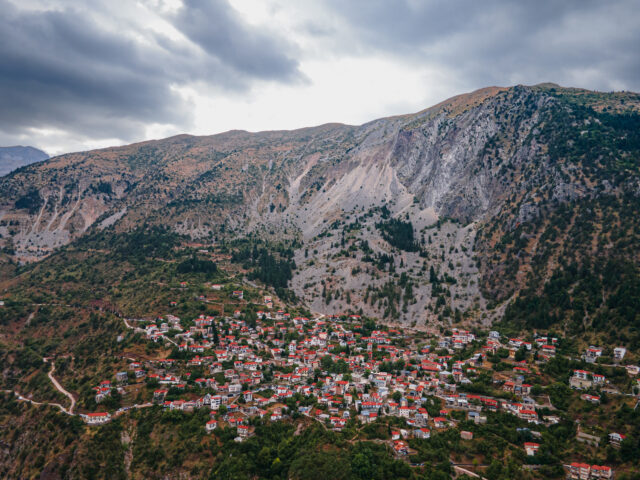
(592, 354)
(580, 471)
(211, 425)
(531, 448)
(584, 471)
(619, 353)
(401, 447)
(440, 422)
(96, 418)
(600, 471)
(616, 439)
(530, 415)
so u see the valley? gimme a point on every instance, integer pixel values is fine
(447, 294)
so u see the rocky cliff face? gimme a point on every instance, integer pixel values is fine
(468, 174)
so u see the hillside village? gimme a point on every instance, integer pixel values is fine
(331, 240)
(346, 372)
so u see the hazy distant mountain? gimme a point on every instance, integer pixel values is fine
(16, 157)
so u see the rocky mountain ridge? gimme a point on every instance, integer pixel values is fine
(476, 177)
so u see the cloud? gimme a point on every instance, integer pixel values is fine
(221, 33)
(89, 74)
(503, 42)
(85, 73)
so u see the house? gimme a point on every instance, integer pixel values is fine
(632, 370)
(580, 471)
(102, 393)
(531, 448)
(584, 471)
(422, 433)
(530, 415)
(509, 386)
(211, 425)
(464, 435)
(216, 401)
(338, 423)
(580, 379)
(440, 422)
(401, 447)
(549, 350)
(406, 411)
(368, 416)
(619, 353)
(616, 439)
(590, 398)
(243, 431)
(158, 395)
(599, 471)
(96, 418)
(592, 354)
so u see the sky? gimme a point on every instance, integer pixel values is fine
(78, 75)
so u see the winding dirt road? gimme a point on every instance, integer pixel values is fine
(33, 402)
(61, 389)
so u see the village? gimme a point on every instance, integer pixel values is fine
(336, 368)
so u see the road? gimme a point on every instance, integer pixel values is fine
(464, 471)
(33, 402)
(60, 388)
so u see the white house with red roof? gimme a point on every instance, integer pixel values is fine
(531, 448)
(96, 418)
(211, 425)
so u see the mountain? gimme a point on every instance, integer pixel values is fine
(517, 203)
(12, 158)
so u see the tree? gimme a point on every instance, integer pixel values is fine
(216, 339)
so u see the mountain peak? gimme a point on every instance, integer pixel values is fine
(18, 156)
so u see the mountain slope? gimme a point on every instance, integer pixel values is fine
(433, 217)
(12, 158)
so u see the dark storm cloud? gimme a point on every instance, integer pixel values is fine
(216, 28)
(580, 42)
(60, 69)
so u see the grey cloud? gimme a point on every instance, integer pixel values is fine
(502, 42)
(80, 73)
(219, 31)
(61, 70)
